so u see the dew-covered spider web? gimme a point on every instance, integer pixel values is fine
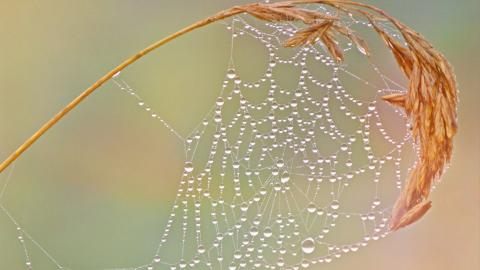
(282, 175)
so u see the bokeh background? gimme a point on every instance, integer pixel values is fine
(96, 190)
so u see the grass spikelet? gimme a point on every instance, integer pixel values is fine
(318, 32)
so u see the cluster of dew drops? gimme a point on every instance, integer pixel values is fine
(247, 255)
(191, 186)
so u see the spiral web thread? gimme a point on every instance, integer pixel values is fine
(264, 193)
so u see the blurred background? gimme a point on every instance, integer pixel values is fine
(99, 185)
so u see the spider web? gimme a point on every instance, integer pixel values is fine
(281, 177)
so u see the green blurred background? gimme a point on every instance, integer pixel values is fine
(96, 190)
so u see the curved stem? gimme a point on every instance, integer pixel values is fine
(22, 148)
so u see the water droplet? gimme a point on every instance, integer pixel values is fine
(280, 163)
(231, 73)
(349, 163)
(267, 232)
(220, 101)
(362, 50)
(311, 208)
(236, 165)
(217, 118)
(280, 262)
(237, 255)
(253, 231)
(335, 205)
(308, 245)
(244, 207)
(188, 167)
(285, 177)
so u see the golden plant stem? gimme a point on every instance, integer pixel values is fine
(22, 148)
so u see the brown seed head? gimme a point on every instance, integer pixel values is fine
(430, 102)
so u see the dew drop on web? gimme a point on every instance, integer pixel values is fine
(231, 74)
(188, 167)
(308, 245)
